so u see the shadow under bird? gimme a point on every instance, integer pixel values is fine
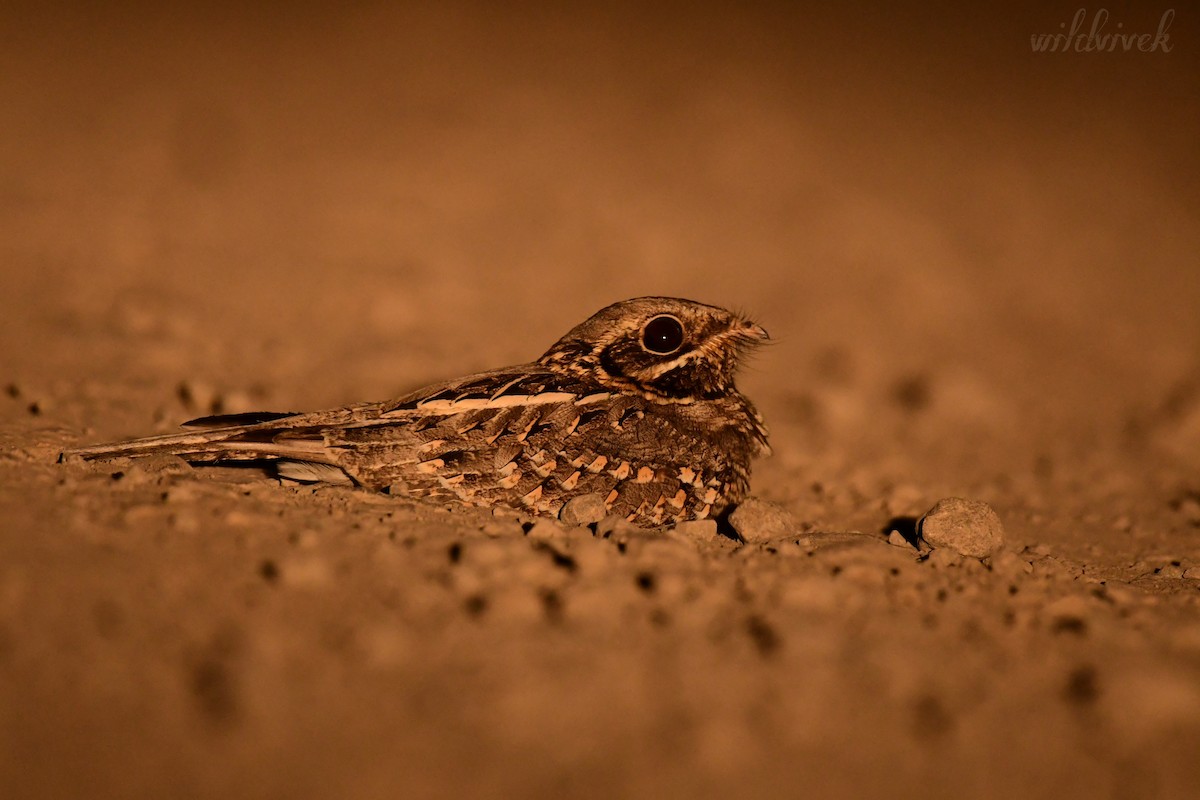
(637, 406)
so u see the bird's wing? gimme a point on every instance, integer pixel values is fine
(523, 384)
(469, 426)
(304, 436)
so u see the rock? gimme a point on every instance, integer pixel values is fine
(698, 529)
(760, 520)
(616, 527)
(545, 529)
(969, 527)
(896, 539)
(583, 510)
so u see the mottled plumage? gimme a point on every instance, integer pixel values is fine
(636, 405)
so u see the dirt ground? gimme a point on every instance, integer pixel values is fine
(979, 268)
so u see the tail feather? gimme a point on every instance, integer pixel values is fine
(229, 420)
(294, 442)
(233, 443)
(177, 443)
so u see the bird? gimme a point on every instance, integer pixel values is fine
(637, 405)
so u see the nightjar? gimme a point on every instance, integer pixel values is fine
(637, 405)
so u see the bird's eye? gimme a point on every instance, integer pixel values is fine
(663, 335)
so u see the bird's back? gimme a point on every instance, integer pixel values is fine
(532, 439)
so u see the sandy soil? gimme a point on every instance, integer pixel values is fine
(980, 268)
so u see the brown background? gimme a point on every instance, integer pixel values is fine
(980, 267)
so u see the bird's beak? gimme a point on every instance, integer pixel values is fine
(753, 330)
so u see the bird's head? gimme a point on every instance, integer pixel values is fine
(669, 349)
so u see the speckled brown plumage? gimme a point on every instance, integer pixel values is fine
(636, 405)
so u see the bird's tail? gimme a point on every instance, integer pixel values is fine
(234, 437)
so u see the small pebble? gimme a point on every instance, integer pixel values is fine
(1069, 614)
(498, 528)
(760, 520)
(1052, 568)
(546, 529)
(1009, 565)
(583, 510)
(1171, 571)
(896, 539)
(969, 527)
(943, 557)
(698, 529)
(1192, 573)
(615, 527)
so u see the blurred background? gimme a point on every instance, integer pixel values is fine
(979, 266)
(309, 205)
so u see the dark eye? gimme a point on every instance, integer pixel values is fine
(662, 335)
